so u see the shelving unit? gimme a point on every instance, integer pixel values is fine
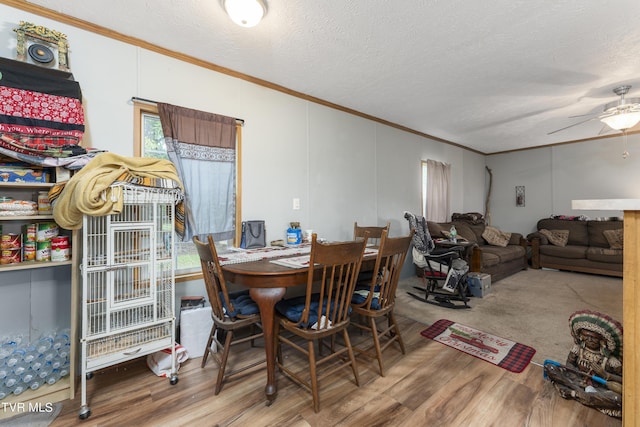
(65, 387)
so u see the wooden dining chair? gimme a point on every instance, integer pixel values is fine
(322, 312)
(231, 312)
(375, 232)
(376, 300)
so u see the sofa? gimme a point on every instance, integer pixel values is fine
(499, 259)
(578, 244)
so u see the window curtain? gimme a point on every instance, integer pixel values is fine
(438, 181)
(203, 148)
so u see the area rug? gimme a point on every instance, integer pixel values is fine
(501, 352)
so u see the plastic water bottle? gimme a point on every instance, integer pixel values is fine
(453, 233)
(11, 381)
(20, 368)
(35, 384)
(30, 354)
(45, 370)
(28, 376)
(19, 389)
(44, 344)
(37, 363)
(4, 373)
(54, 377)
(15, 357)
(62, 339)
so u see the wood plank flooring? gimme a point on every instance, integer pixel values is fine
(432, 385)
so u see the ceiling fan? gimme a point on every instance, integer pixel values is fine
(618, 115)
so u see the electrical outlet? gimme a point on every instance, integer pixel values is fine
(296, 204)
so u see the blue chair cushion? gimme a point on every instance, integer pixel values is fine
(292, 309)
(242, 304)
(361, 294)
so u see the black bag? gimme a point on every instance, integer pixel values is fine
(253, 235)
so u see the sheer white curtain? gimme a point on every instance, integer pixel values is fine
(437, 200)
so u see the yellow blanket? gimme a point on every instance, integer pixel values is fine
(91, 191)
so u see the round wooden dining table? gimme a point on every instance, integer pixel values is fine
(267, 283)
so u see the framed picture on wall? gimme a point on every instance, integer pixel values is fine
(520, 196)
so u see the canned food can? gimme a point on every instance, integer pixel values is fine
(10, 256)
(29, 251)
(46, 231)
(43, 251)
(60, 248)
(29, 233)
(44, 207)
(10, 241)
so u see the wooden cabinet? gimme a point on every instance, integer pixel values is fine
(39, 296)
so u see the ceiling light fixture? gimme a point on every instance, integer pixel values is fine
(623, 113)
(246, 13)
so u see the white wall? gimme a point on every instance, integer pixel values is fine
(553, 176)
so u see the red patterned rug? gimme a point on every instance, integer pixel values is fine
(507, 354)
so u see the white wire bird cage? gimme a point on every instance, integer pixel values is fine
(128, 283)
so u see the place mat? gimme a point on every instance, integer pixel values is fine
(501, 352)
(238, 255)
(303, 260)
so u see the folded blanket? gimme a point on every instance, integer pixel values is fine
(96, 189)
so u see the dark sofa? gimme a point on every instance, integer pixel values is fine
(497, 261)
(588, 248)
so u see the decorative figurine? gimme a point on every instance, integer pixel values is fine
(593, 373)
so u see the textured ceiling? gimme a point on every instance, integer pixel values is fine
(492, 76)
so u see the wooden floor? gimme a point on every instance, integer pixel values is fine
(432, 385)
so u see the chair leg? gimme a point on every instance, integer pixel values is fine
(223, 361)
(376, 343)
(314, 376)
(396, 329)
(207, 350)
(354, 367)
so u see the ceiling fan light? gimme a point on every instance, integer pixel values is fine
(246, 13)
(622, 121)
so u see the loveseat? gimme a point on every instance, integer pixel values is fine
(577, 244)
(501, 258)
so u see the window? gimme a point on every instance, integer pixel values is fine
(149, 142)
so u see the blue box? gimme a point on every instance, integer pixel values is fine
(23, 175)
(479, 284)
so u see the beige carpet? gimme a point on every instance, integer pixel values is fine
(531, 307)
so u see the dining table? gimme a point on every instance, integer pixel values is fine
(268, 281)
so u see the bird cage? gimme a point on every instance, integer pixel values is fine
(128, 284)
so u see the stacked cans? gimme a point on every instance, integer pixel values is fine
(45, 233)
(38, 242)
(10, 248)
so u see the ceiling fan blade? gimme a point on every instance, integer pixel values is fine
(570, 126)
(584, 115)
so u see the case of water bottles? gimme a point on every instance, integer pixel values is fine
(32, 364)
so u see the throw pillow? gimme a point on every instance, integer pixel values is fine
(615, 238)
(556, 237)
(495, 237)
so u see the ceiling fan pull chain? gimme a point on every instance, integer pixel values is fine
(625, 153)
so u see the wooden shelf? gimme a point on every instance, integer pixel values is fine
(15, 185)
(29, 265)
(26, 218)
